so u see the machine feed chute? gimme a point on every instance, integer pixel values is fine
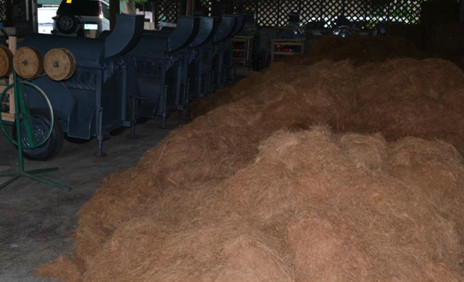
(203, 75)
(125, 35)
(183, 34)
(227, 49)
(205, 32)
(222, 62)
(239, 23)
(155, 68)
(190, 60)
(225, 28)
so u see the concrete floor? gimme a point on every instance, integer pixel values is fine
(37, 221)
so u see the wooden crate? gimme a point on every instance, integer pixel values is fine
(9, 116)
(286, 47)
(243, 49)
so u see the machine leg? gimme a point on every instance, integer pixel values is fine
(198, 78)
(133, 135)
(186, 101)
(198, 86)
(221, 72)
(100, 148)
(163, 122)
(178, 87)
(100, 152)
(211, 81)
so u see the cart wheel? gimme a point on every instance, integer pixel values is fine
(66, 24)
(41, 124)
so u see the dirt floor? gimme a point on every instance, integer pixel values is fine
(37, 221)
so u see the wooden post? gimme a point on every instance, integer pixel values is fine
(9, 13)
(190, 7)
(12, 42)
(461, 13)
(9, 116)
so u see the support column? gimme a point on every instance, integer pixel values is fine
(114, 10)
(189, 7)
(461, 12)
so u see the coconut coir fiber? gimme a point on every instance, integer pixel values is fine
(358, 49)
(252, 192)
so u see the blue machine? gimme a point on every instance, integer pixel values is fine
(152, 72)
(191, 60)
(215, 57)
(210, 67)
(92, 103)
(224, 64)
(155, 69)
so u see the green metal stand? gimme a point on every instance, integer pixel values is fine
(23, 119)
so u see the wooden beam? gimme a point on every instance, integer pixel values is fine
(10, 115)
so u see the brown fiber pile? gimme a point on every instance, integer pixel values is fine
(358, 49)
(361, 49)
(262, 190)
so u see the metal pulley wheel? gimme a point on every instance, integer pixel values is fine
(40, 135)
(28, 62)
(59, 64)
(33, 130)
(6, 61)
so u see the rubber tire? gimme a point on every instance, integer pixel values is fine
(53, 145)
(69, 23)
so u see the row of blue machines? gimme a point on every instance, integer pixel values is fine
(130, 73)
